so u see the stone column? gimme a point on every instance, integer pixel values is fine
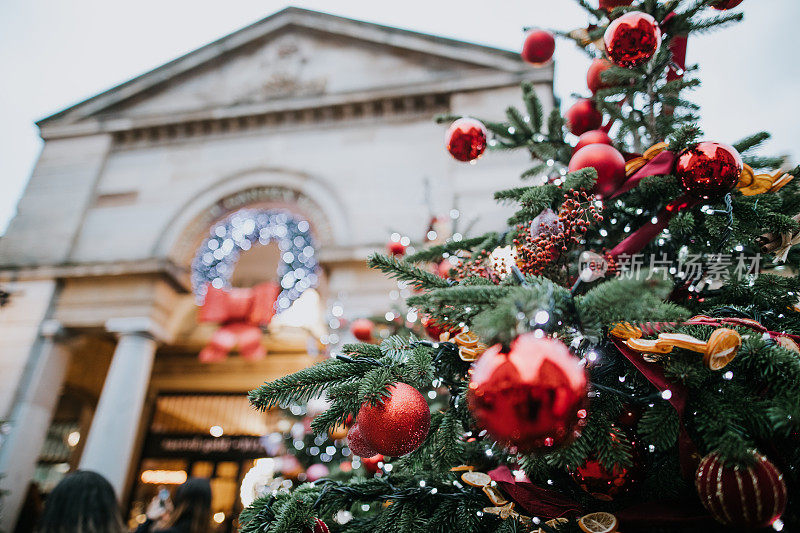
(112, 437)
(30, 419)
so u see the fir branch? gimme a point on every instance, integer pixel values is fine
(405, 271)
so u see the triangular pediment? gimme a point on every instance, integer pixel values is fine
(296, 55)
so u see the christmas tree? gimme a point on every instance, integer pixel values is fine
(623, 356)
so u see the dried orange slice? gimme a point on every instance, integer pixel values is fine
(598, 523)
(461, 468)
(722, 348)
(466, 339)
(476, 479)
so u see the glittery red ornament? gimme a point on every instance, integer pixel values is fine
(357, 444)
(607, 161)
(709, 169)
(319, 527)
(611, 4)
(362, 329)
(603, 485)
(371, 463)
(632, 39)
(398, 424)
(741, 496)
(529, 397)
(593, 137)
(583, 116)
(396, 248)
(539, 47)
(466, 139)
(593, 75)
(722, 5)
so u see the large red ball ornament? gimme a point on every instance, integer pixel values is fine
(632, 39)
(607, 161)
(397, 425)
(466, 139)
(601, 483)
(592, 137)
(361, 329)
(593, 76)
(709, 169)
(529, 397)
(357, 444)
(583, 116)
(611, 4)
(722, 5)
(744, 497)
(319, 527)
(539, 47)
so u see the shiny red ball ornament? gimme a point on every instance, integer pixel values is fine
(607, 161)
(396, 248)
(709, 169)
(611, 4)
(319, 527)
(593, 76)
(398, 424)
(593, 137)
(583, 116)
(601, 484)
(357, 444)
(362, 329)
(632, 39)
(371, 463)
(466, 139)
(539, 47)
(740, 496)
(722, 5)
(530, 397)
(434, 328)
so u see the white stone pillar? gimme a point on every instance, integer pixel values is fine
(112, 437)
(30, 419)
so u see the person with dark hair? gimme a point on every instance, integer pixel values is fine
(82, 502)
(190, 512)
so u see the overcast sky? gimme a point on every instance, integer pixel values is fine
(54, 53)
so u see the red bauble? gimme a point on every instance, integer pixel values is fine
(371, 463)
(539, 47)
(466, 139)
(722, 5)
(583, 116)
(397, 425)
(357, 444)
(603, 485)
(632, 39)
(319, 527)
(529, 397)
(593, 76)
(607, 161)
(709, 169)
(362, 329)
(611, 4)
(744, 497)
(433, 327)
(593, 137)
(396, 248)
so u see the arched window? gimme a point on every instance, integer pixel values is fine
(216, 259)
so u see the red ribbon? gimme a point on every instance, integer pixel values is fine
(636, 241)
(240, 313)
(539, 502)
(660, 165)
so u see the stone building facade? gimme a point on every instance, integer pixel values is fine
(324, 118)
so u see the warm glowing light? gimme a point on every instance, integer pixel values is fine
(74, 438)
(164, 477)
(219, 517)
(216, 431)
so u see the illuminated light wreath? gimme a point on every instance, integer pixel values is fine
(216, 258)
